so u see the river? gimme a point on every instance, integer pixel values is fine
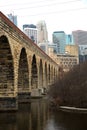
(38, 116)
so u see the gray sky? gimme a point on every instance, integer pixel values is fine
(59, 15)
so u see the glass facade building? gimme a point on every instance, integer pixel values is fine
(69, 39)
(59, 38)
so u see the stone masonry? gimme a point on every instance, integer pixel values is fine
(25, 70)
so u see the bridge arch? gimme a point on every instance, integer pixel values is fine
(23, 73)
(34, 73)
(6, 67)
(54, 74)
(45, 74)
(40, 74)
(49, 74)
(45, 77)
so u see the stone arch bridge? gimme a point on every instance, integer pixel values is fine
(25, 70)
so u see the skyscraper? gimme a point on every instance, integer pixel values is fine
(13, 18)
(42, 32)
(79, 37)
(31, 31)
(59, 38)
(69, 40)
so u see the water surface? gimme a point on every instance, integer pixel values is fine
(38, 116)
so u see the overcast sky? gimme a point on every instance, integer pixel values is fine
(59, 15)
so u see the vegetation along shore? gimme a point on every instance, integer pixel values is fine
(71, 89)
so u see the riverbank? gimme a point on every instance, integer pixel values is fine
(55, 104)
(73, 109)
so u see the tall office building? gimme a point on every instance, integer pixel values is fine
(79, 37)
(82, 53)
(69, 40)
(13, 18)
(59, 38)
(31, 31)
(72, 50)
(42, 32)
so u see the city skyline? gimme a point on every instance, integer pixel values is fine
(59, 15)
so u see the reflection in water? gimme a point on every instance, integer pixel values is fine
(38, 116)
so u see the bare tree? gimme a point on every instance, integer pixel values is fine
(71, 89)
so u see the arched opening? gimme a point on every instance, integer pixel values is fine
(34, 75)
(54, 74)
(45, 75)
(45, 79)
(23, 73)
(6, 67)
(49, 74)
(41, 74)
